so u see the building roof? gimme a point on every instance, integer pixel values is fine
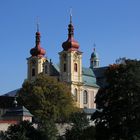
(89, 111)
(89, 81)
(100, 71)
(55, 70)
(17, 111)
(70, 43)
(100, 76)
(89, 78)
(6, 101)
(37, 50)
(88, 72)
(12, 93)
(94, 55)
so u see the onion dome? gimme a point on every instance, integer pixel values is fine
(94, 54)
(37, 50)
(70, 44)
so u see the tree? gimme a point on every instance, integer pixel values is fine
(48, 100)
(80, 129)
(88, 133)
(22, 131)
(118, 117)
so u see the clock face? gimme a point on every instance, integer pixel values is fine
(75, 56)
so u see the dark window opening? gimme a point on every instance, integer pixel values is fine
(75, 95)
(85, 97)
(75, 67)
(33, 72)
(64, 67)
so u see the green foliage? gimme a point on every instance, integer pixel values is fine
(79, 120)
(2, 135)
(48, 129)
(88, 133)
(22, 131)
(80, 128)
(49, 101)
(47, 98)
(120, 117)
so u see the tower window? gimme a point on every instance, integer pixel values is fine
(33, 71)
(75, 95)
(64, 57)
(95, 63)
(64, 67)
(75, 67)
(85, 97)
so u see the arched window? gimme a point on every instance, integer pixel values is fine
(64, 67)
(33, 71)
(75, 67)
(75, 94)
(85, 97)
(95, 63)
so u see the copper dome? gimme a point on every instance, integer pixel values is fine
(70, 44)
(37, 50)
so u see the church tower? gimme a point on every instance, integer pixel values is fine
(94, 60)
(71, 63)
(70, 58)
(37, 59)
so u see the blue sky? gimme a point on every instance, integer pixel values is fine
(114, 25)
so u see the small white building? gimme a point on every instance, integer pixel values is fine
(14, 116)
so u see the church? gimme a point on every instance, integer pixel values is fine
(84, 82)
